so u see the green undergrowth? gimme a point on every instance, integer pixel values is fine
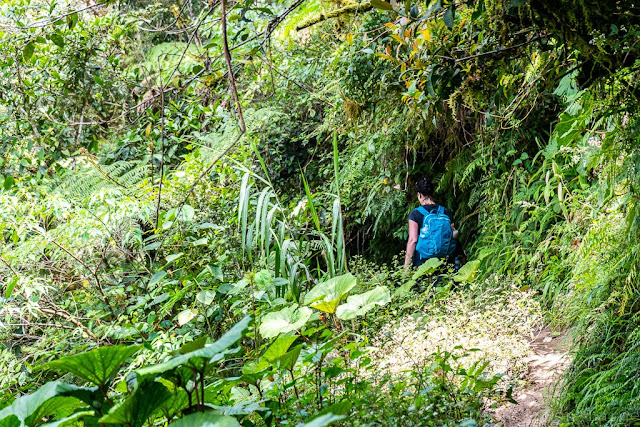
(140, 221)
(304, 366)
(243, 315)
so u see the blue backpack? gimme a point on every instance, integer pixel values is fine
(436, 235)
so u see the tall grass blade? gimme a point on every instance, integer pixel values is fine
(336, 166)
(243, 207)
(310, 204)
(261, 218)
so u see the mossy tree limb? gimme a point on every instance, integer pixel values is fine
(323, 16)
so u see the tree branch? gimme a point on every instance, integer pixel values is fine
(493, 52)
(234, 89)
(4, 261)
(322, 16)
(227, 57)
(273, 24)
(93, 272)
(57, 311)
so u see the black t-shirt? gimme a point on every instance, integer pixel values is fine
(417, 216)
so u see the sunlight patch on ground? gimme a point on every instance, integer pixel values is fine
(500, 325)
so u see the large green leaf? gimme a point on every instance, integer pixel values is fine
(71, 420)
(27, 51)
(29, 409)
(185, 316)
(428, 267)
(404, 289)
(135, 410)
(194, 345)
(57, 39)
(9, 181)
(206, 419)
(56, 407)
(207, 352)
(467, 272)
(381, 4)
(279, 347)
(322, 420)
(10, 421)
(96, 366)
(358, 305)
(206, 297)
(289, 359)
(339, 408)
(449, 16)
(241, 407)
(326, 296)
(11, 284)
(156, 278)
(178, 401)
(329, 414)
(286, 320)
(252, 370)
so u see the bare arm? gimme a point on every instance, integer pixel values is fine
(454, 233)
(414, 228)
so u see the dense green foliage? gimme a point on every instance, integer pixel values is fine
(183, 224)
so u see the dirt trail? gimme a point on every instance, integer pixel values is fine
(548, 361)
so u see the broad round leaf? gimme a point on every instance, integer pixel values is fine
(96, 366)
(135, 410)
(428, 267)
(206, 419)
(289, 359)
(26, 407)
(467, 272)
(185, 316)
(72, 420)
(286, 320)
(322, 420)
(381, 4)
(326, 296)
(27, 52)
(157, 277)
(187, 213)
(207, 352)
(279, 347)
(8, 182)
(206, 297)
(358, 305)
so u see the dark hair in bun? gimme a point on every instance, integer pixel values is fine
(424, 187)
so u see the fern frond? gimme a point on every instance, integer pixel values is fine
(83, 182)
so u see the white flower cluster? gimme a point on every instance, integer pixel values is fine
(598, 38)
(500, 327)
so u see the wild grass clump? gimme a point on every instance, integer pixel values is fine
(602, 387)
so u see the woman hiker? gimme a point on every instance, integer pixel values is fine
(431, 231)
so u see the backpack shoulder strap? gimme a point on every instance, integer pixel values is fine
(423, 210)
(440, 210)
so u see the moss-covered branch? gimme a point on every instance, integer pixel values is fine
(323, 16)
